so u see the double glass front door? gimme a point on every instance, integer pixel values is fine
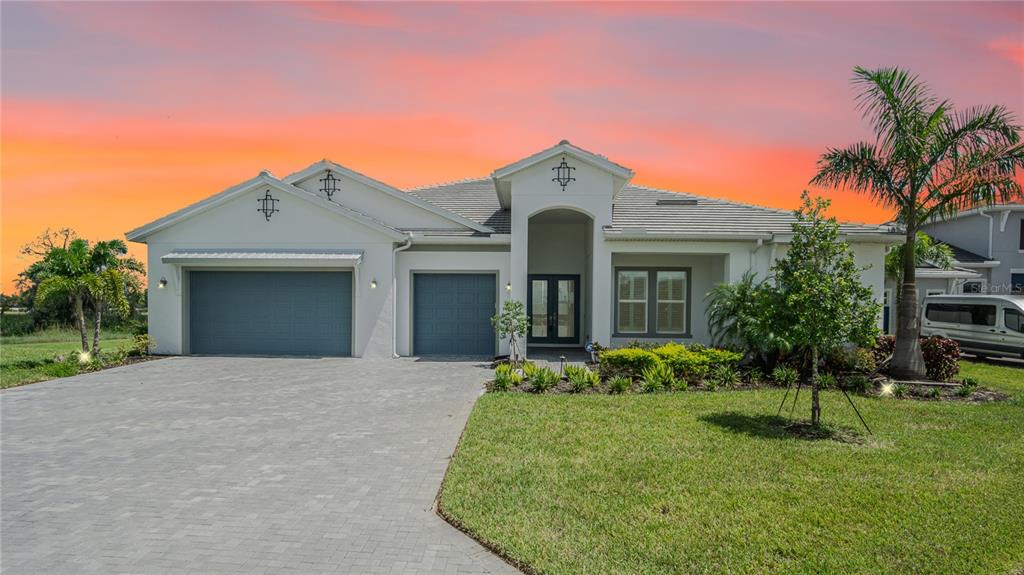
(553, 306)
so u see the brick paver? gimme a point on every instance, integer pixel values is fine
(236, 465)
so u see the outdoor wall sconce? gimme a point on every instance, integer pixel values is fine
(373, 283)
(508, 286)
(163, 283)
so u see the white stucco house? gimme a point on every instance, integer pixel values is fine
(328, 261)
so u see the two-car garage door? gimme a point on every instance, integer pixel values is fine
(270, 313)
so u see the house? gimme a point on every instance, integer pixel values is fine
(988, 241)
(328, 261)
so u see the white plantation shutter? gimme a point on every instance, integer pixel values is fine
(671, 288)
(632, 304)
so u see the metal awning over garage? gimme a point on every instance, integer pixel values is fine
(306, 258)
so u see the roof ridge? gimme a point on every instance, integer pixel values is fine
(448, 183)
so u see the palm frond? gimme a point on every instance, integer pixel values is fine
(898, 105)
(862, 168)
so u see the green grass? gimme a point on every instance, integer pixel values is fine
(710, 483)
(29, 358)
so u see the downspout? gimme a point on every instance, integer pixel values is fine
(394, 293)
(753, 253)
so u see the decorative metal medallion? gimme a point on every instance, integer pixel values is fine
(330, 185)
(268, 205)
(563, 174)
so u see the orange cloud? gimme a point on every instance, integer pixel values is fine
(1012, 50)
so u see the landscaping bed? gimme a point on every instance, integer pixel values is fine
(717, 483)
(54, 354)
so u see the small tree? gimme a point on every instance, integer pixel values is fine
(824, 304)
(512, 323)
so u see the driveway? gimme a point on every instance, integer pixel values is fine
(239, 465)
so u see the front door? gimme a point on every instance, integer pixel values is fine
(552, 303)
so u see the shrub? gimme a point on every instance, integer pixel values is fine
(726, 375)
(853, 359)
(581, 378)
(900, 390)
(967, 386)
(685, 364)
(858, 384)
(657, 378)
(505, 377)
(529, 368)
(785, 375)
(718, 357)
(826, 381)
(753, 375)
(941, 358)
(627, 361)
(885, 345)
(641, 344)
(141, 345)
(17, 323)
(619, 384)
(543, 379)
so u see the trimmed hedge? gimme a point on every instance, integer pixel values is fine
(686, 364)
(626, 361)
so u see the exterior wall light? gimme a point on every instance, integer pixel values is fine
(373, 283)
(163, 283)
(508, 286)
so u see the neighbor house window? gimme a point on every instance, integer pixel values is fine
(1017, 283)
(671, 302)
(652, 302)
(632, 304)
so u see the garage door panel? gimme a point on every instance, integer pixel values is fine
(270, 313)
(452, 314)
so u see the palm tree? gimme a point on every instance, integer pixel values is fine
(926, 251)
(63, 273)
(116, 276)
(98, 276)
(928, 161)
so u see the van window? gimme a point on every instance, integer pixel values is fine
(1014, 320)
(965, 313)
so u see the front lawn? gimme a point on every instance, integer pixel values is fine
(703, 482)
(28, 359)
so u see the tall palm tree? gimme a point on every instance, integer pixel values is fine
(928, 161)
(116, 275)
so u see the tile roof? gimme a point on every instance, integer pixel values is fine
(636, 208)
(965, 256)
(473, 198)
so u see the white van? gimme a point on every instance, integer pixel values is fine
(982, 324)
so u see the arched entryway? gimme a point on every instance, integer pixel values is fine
(559, 269)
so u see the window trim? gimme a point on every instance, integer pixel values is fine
(652, 296)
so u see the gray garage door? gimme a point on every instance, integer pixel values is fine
(270, 313)
(452, 314)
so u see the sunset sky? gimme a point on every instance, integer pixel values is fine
(115, 114)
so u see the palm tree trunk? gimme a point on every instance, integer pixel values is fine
(96, 329)
(80, 320)
(907, 360)
(815, 404)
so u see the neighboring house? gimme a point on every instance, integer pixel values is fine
(989, 241)
(328, 261)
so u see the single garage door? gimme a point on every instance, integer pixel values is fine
(270, 313)
(452, 314)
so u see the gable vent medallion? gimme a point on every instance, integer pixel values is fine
(330, 185)
(268, 205)
(563, 174)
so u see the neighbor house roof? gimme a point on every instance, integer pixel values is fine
(642, 211)
(965, 256)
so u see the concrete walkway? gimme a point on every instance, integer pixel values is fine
(237, 465)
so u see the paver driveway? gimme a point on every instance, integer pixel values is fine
(244, 465)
